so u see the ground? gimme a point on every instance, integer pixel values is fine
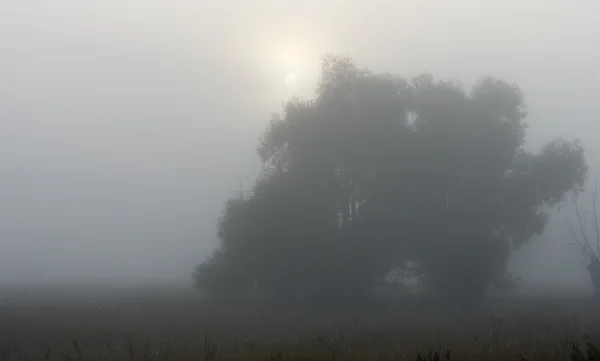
(153, 324)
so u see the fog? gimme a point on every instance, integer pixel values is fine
(125, 125)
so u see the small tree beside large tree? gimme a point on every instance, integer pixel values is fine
(588, 241)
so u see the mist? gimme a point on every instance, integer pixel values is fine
(126, 125)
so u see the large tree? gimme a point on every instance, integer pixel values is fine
(379, 170)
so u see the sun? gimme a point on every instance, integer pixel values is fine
(291, 79)
(292, 67)
(293, 63)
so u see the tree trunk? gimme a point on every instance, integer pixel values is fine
(345, 202)
(594, 271)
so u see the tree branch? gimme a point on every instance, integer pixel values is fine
(582, 230)
(595, 201)
(586, 248)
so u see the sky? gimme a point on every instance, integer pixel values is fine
(126, 124)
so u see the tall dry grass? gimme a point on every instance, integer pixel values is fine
(188, 329)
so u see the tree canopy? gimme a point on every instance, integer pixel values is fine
(379, 170)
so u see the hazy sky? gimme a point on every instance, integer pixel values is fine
(124, 123)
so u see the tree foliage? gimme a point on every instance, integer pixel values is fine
(379, 170)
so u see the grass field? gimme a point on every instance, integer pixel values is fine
(178, 325)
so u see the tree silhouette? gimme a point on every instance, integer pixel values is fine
(378, 170)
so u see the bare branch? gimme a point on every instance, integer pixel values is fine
(595, 201)
(583, 241)
(575, 241)
(582, 230)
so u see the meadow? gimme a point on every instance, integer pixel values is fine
(164, 325)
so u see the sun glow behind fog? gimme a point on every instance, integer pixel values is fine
(295, 66)
(288, 57)
(291, 79)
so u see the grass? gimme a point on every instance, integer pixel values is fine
(184, 328)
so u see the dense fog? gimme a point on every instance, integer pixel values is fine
(126, 125)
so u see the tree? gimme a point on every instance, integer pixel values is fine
(224, 273)
(378, 171)
(588, 242)
(471, 192)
